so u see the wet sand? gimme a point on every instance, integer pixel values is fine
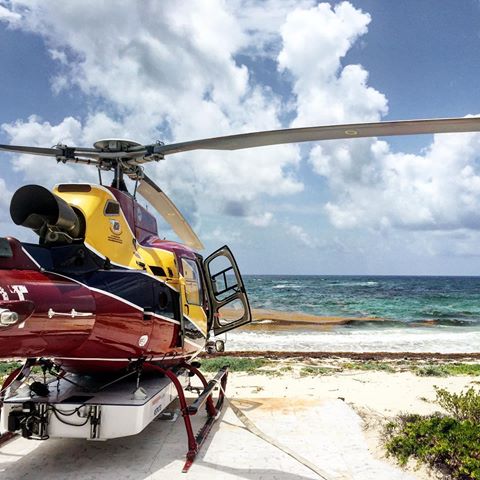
(281, 320)
(271, 320)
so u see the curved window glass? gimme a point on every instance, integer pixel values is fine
(193, 283)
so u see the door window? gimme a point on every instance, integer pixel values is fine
(224, 280)
(227, 291)
(233, 311)
(193, 283)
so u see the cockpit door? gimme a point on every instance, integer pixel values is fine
(227, 291)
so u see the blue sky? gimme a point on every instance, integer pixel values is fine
(178, 72)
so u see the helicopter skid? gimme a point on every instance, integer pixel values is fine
(118, 409)
(195, 442)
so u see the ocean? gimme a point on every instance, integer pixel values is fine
(395, 313)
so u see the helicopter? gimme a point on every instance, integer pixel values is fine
(102, 294)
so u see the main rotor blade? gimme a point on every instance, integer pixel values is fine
(50, 152)
(328, 132)
(151, 192)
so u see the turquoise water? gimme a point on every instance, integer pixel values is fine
(448, 300)
(451, 305)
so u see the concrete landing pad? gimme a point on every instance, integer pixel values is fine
(328, 433)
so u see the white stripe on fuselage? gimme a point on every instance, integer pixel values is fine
(112, 295)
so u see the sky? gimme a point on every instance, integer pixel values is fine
(74, 72)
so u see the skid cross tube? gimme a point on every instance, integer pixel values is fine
(196, 441)
(206, 394)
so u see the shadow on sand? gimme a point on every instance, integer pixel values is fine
(156, 453)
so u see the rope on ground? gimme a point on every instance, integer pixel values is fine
(251, 427)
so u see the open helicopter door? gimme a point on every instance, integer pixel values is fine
(227, 291)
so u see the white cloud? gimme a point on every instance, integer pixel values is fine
(6, 14)
(5, 194)
(168, 73)
(262, 220)
(36, 132)
(262, 22)
(371, 185)
(314, 43)
(219, 234)
(299, 234)
(436, 190)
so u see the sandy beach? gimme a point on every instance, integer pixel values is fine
(328, 410)
(375, 396)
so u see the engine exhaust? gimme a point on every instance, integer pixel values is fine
(35, 207)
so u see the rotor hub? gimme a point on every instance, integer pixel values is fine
(115, 144)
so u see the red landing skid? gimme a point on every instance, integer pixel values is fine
(195, 442)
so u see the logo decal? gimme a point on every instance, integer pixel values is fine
(142, 341)
(18, 290)
(115, 227)
(4, 294)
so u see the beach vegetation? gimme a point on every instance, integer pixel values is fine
(448, 442)
(430, 371)
(369, 365)
(462, 368)
(448, 369)
(275, 368)
(312, 370)
(235, 364)
(6, 368)
(278, 372)
(462, 406)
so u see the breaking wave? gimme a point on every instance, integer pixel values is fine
(446, 340)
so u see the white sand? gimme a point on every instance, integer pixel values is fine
(303, 413)
(375, 396)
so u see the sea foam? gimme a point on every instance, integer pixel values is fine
(343, 340)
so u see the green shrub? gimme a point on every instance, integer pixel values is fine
(313, 371)
(462, 406)
(446, 369)
(431, 371)
(450, 443)
(463, 368)
(444, 442)
(235, 364)
(369, 365)
(7, 367)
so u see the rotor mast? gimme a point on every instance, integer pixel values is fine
(118, 181)
(116, 147)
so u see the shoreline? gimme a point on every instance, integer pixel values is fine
(268, 319)
(349, 355)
